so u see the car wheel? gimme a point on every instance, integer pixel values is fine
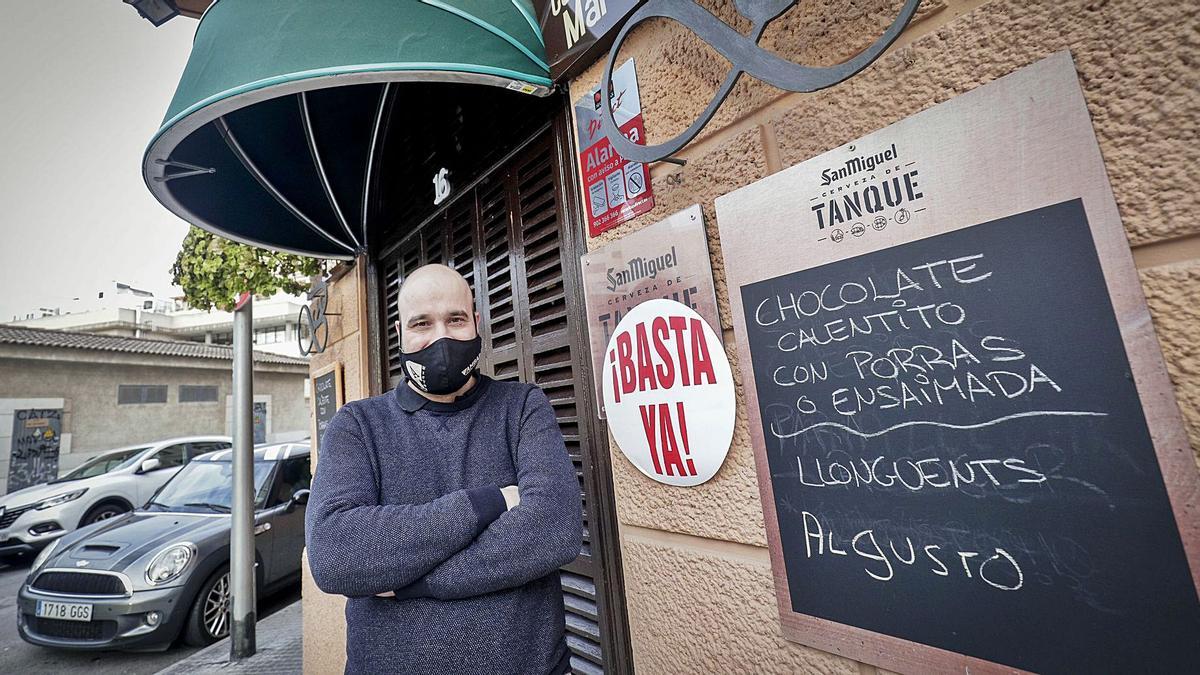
(103, 512)
(209, 619)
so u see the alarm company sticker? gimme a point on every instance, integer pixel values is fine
(618, 190)
(635, 179)
(668, 393)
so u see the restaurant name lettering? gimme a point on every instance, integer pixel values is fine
(578, 17)
(867, 191)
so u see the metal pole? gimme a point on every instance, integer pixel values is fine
(241, 535)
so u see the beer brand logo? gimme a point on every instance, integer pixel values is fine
(866, 193)
(640, 268)
(858, 165)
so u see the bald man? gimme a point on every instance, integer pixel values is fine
(444, 508)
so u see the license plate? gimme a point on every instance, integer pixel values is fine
(69, 611)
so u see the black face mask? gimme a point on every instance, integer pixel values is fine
(444, 366)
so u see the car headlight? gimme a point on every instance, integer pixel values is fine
(43, 556)
(170, 563)
(62, 498)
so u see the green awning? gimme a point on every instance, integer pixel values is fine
(271, 137)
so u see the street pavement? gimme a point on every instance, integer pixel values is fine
(280, 642)
(18, 656)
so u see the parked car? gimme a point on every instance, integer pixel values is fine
(142, 579)
(105, 486)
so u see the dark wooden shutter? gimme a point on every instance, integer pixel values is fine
(497, 295)
(507, 236)
(550, 363)
(393, 271)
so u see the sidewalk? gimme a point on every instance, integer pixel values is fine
(279, 638)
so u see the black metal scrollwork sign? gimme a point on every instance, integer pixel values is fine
(312, 330)
(746, 56)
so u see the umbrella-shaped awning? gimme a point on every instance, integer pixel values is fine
(265, 142)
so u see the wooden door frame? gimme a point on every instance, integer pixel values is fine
(615, 642)
(617, 646)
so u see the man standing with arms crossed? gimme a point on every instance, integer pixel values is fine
(444, 509)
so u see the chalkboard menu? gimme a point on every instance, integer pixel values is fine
(968, 450)
(951, 432)
(327, 397)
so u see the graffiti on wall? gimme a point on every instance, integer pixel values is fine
(36, 438)
(260, 422)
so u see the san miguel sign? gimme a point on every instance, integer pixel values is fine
(669, 259)
(743, 52)
(868, 190)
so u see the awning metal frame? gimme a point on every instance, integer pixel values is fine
(311, 137)
(252, 168)
(386, 96)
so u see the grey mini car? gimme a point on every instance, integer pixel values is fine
(140, 580)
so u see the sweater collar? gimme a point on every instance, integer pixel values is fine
(411, 401)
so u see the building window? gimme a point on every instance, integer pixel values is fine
(128, 394)
(197, 393)
(269, 336)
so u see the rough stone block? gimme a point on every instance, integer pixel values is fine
(678, 73)
(324, 628)
(1173, 293)
(679, 627)
(1142, 90)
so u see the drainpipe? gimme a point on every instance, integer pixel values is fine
(241, 534)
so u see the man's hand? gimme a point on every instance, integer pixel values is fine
(512, 496)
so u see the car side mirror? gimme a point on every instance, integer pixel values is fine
(150, 465)
(300, 497)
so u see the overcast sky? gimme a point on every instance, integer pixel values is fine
(85, 84)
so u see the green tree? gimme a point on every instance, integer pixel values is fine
(213, 271)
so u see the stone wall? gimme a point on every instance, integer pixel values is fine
(324, 615)
(1136, 63)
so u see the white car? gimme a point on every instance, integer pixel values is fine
(105, 486)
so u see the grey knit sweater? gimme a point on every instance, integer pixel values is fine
(406, 498)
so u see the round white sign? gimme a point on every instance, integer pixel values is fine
(668, 393)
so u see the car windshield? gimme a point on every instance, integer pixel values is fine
(207, 487)
(98, 466)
